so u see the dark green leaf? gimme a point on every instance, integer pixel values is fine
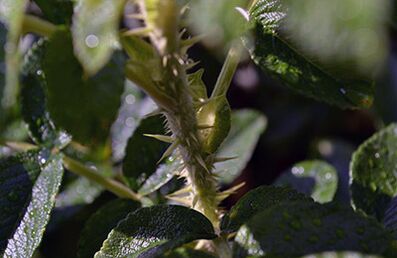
(373, 168)
(246, 128)
(56, 11)
(165, 227)
(274, 54)
(188, 253)
(84, 107)
(28, 185)
(33, 101)
(95, 32)
(101, 223)
(315, 178)
(12, 13)
(143, 152)
(299, 228)
(390, 219)
(197, 87)
(255, 201)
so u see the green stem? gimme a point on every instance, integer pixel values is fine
(109, 184)
(36, 25)
(229, 68)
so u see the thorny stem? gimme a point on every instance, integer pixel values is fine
(181, 117)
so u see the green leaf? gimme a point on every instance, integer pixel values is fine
(354, 40)
(33, 101)
(245, 244)
(390, 219)
(340, 255)
(373, 166)
(28, 185)
(278, 57)
(143, 152)
(216, 114)
(315, 178)
(165, 228)
(173, 166)
(256, 201)
(56, 11)
(12, 13)
(246, 128)
(84, 107)
(219, 20)
(188, 253)
(300, 228)
(95, 32)
(101, 223)
(197, 87)
(3, 33)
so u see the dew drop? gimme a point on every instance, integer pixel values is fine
(130, 99)
(343, 91)
(298, 170)
(328, 176)
(377, 155)
(92, 41)
(130, 122)
(39, 72)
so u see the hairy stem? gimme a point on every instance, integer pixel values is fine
(229, 68)
(38, 26)
(109, 184)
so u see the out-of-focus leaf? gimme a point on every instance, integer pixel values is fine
(245, 244)
(373, 172)
(28, 185)
(33, 101)
(274, 54)
(127, 119)
(337, 153)
(143, 152)
(95, 32)
(220, 20)
(299, 228)
(256, 201)
(12, 13)
(314, 178)
(3, 33)
(166, 227)
(84, 107)
(101, 223)
(340, 255)
(164, 173)
(246, 128)
(56, 11)
(350, 34)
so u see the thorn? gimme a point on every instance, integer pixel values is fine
(223, 159)
(191, 65)
(163, 138)
(169, 151)
(223, 195)
(144, 31)
(201, 162)
(187, 43)
(157, 111)
(182, 191)
(194, 202)
(184, 201)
